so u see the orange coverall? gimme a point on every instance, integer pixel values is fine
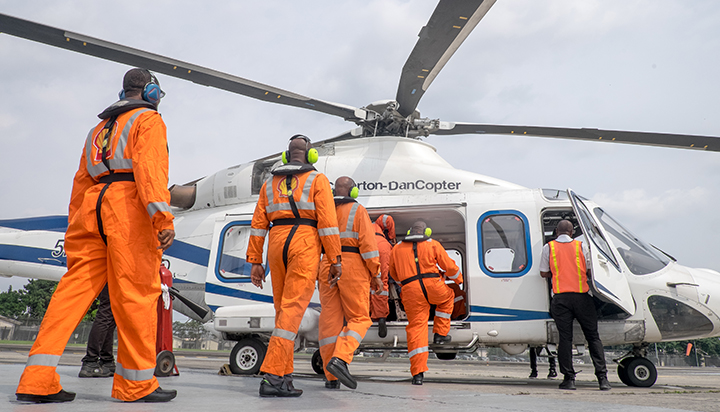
(379, 300)
(293, 253)
(348, 299)
(423, 286)
(130, 215)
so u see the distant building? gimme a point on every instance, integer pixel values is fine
(7, 328)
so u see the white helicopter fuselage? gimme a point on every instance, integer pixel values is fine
(495, 230)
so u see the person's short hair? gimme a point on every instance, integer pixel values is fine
(135, 80)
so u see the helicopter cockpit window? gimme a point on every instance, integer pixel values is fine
(595, 234)
(675, 319)
(504, 241)
(639, 257)
(231, 264)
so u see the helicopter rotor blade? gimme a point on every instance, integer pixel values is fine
(197, 74)
(680, 141)
(450, 24)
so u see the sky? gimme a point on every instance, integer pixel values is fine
(615, 64)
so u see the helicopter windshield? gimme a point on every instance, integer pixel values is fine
(639, 257)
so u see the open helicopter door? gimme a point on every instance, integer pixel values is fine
(607, 277)
(228, 274)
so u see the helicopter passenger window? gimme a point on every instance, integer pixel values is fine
(231, 265)
(504, 244)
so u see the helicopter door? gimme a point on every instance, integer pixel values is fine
(228, 274)
(607, 277)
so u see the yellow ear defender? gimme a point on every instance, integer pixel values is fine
(428, 232)
(311, 154)
(354, 192)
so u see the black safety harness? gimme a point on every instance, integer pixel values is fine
(112, 113)
(420, 276)
(295, 222)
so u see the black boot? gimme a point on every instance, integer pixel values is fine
(441, 340)
(568, 383)
(533, 374)
(339, 368)
(159, 395)
(332, 384)
(382, 327)
(552, 373)
(604, 383)
(62, 396)
(418, 379)
(94, 370)
(284, 390)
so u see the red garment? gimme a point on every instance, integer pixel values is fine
(379, 300)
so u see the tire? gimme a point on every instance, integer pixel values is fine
(641, 372)
(317, 363)
(446, 355)
(622, 371)
(247, 356)
(164, 363)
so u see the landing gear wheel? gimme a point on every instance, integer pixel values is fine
(622, 371)
(164, 363)
(641, 372)
(446, 355)
(317, 363)
(247, 356)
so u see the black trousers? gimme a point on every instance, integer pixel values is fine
(536, 350)
(100, 340)
(564, 308)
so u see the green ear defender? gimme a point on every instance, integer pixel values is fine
(311, 154)
(428, 232)
(285, 156)
(354, 192)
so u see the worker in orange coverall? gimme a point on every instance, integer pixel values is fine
(347, 299)
(298, 201)
(414, 264)
(119, 224)
(384, 227)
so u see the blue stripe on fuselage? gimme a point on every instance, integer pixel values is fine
(488, 314)
(190, 253)
(49, 223)
(241, 294)
(31, 255)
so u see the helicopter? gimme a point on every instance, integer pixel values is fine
(456, 203)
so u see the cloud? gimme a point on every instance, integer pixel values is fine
(640, 206)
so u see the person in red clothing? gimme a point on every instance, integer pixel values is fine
(384, 227)
(119, 224)
(564, 261)
(298, 201)
(414, 264)
(344, 317)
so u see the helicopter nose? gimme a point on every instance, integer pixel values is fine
(708, 288)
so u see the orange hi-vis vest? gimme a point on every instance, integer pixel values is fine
(309, 208)
(358, 235)
(567, 264)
